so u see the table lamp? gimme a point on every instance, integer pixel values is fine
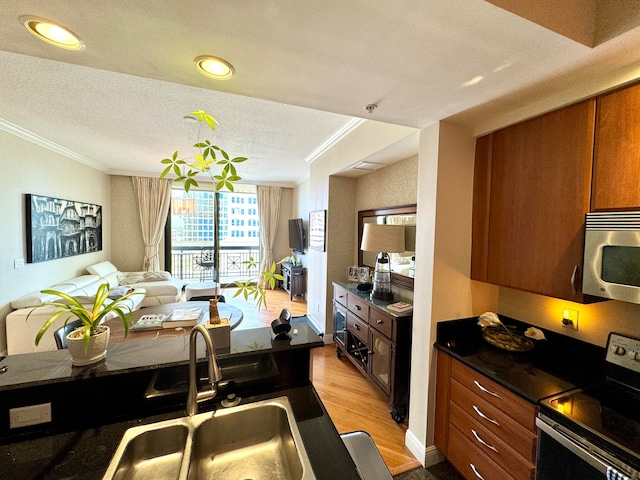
(383, 239)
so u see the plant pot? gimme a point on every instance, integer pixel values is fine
(96, 351)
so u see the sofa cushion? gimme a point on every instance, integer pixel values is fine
(102, 269)
(82, 285)
(131, 278)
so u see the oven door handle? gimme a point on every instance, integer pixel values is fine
(574, 444)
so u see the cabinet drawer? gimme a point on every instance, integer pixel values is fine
(517, 408)
(340, 295)
(382, 322)
(358, 307)
(491, 445)
(358, 328)
(494, 420)
(470, 462)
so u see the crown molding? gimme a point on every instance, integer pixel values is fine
(345, 130)
(49, 145)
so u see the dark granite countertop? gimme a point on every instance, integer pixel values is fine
(85, 454)
(42, 368)
(380, 304)
(555, 365)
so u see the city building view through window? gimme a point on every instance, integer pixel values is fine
(213, 235)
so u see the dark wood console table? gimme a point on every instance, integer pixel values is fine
(294, 282)
(376, 340)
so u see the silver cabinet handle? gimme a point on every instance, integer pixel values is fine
(357, 326)
(573, 280)
(486, 391)
(482, 415)
(357, 307)
(475, 471)
(475, 434)
(379, 322)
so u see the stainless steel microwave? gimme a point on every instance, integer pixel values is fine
(612, 256)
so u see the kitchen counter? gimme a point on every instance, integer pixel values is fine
(85, 454)
(37, 369)
(555, 365)
(92, 406)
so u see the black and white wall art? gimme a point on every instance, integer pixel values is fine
(58, 228)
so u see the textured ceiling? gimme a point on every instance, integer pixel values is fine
(304, 70)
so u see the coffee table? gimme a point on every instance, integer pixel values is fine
(234, 314)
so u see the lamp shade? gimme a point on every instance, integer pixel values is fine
(409, 238)
(382, 238)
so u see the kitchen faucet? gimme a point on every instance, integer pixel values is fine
(194, 396)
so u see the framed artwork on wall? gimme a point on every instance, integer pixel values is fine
(58, 228)
(316, 230)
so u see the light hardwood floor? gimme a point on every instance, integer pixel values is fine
(352, 402)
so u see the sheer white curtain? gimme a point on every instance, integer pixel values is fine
(154, 198)
(268, 213)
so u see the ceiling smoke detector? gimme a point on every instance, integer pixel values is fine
(370, 107)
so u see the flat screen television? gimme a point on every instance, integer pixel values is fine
(296, 235)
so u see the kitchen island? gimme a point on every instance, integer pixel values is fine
(91, 407)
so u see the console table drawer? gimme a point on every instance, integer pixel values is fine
(340, 295)
(359, 307)
(358, 328)
(381, 322)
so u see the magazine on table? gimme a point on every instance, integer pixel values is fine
(150, 321)
(183, 317)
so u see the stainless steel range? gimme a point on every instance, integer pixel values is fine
(594, 433)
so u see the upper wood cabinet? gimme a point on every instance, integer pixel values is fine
(616, 169)
(531, 193)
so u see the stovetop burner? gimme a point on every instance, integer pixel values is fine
(607, 413)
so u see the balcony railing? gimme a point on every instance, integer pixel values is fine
(231, 264)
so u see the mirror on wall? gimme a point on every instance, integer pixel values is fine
(402, 264)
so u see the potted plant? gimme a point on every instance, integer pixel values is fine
(207, 157)
(88, 343)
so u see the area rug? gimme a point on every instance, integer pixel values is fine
(415, 474)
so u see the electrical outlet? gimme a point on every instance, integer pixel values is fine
(31, 415)
(18, 263)
(570, 318)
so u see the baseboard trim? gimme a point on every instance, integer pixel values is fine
(427, 456)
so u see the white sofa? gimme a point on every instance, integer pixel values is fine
(21, 333)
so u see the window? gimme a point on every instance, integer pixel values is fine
(195, 224)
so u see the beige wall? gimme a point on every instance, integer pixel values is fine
(29, 168)
(127, 251)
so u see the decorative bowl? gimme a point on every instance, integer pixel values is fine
(499, 338)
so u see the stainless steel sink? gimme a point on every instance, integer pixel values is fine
(258, 441)
(244, 373)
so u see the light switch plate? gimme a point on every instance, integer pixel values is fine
(18, 263)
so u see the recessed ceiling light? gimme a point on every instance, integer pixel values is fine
(214, 67)
(52, 33)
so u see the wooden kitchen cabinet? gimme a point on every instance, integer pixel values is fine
(376, 341)
(616, 168)
(483, 429)
(531, 194)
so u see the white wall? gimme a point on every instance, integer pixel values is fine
(443, 288)
(28, 168)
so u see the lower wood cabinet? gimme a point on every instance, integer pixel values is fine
(377, 342)
(483, 429)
